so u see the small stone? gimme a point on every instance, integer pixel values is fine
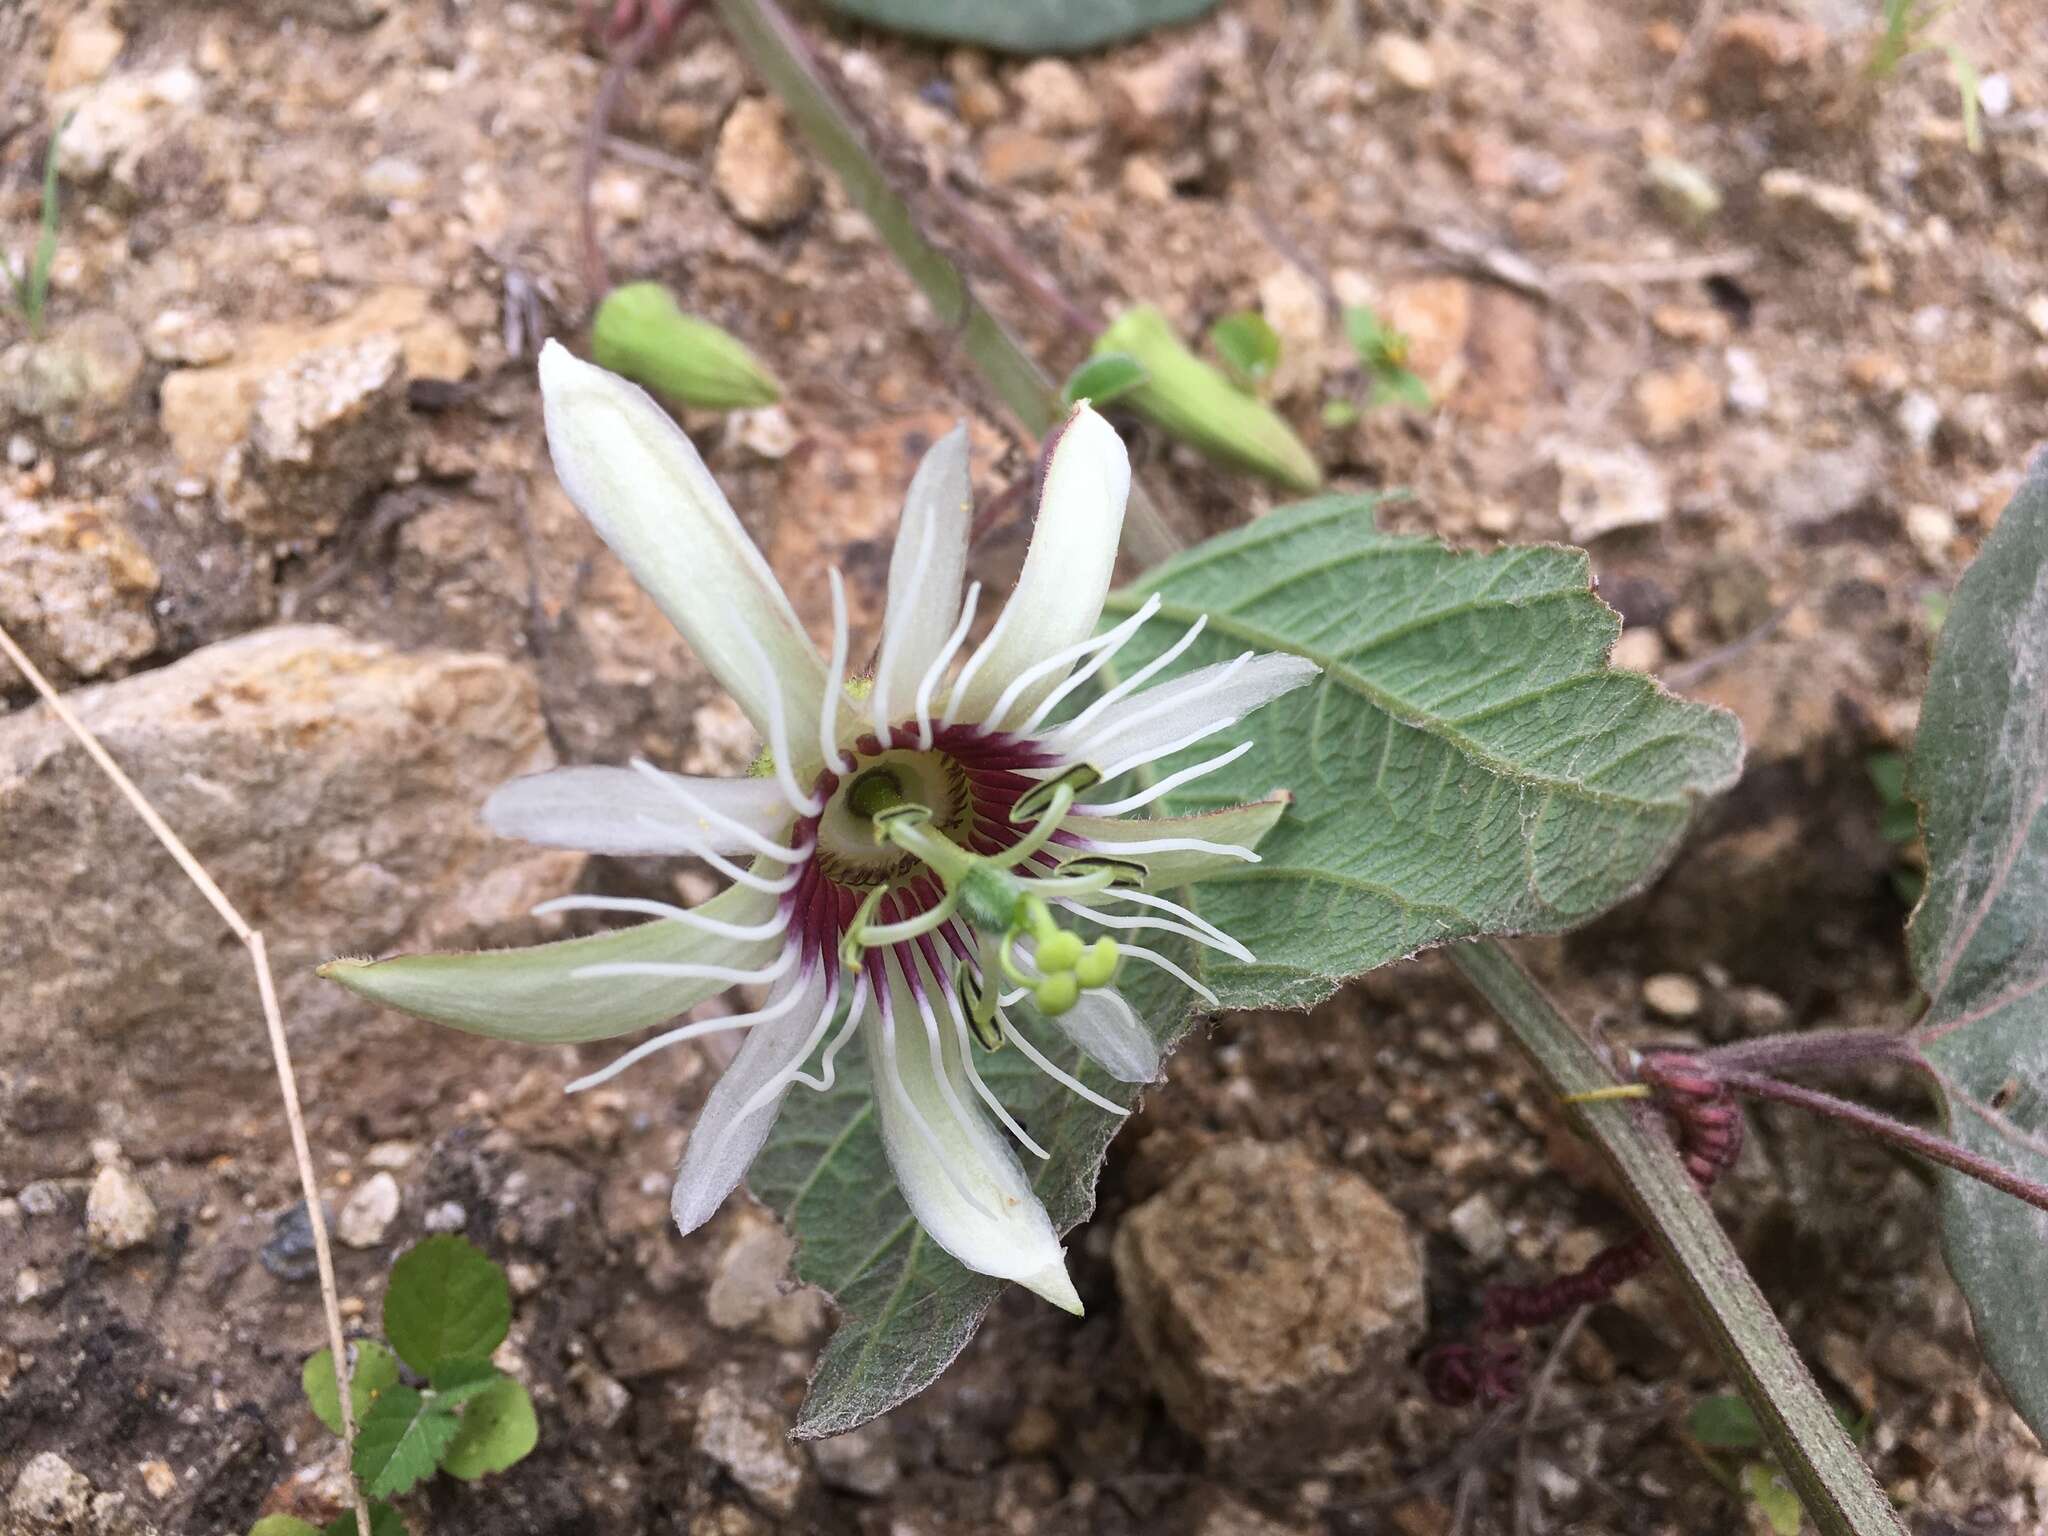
(619, 196)
(1799, 201)
(75, 381)
(1159, 104)
(604, 1399)
(158, 1478)
(1273, 1298)
(1749, 392)
(1684, 191)
(119, 1214)
(76, 589)
(1055, 99)
(862, 1461)
(1601, 490)
(327, 433)
(766, 432)
(21, 451)
(1918, 415)
(43, 1197)
(750, 1290)
(1035, 1432)
(525, 1279)
(2036, 311)
(1758, 58)
(392, 1154)
(121, 119)
(448, 1216)
(1673, 404)
(757, 170)
(1638, 650)
(188, 338)
(1225, 1514)
(1693, 323)
(29, 1283)
(1994, 95)
(289, 1253)
(1876, 373)
(1477, 1226)
(1933, 532)
(1012, 157)
(393, 178)
(1294, 307)
(750, 1440)
(87, 46)
(1672, 996)
(1404, 63)
(50, 1497)
(369, 1212)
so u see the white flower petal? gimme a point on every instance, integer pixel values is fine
(968, 1191)
(623, 811)
(1110, 1031)
(724, 1141)
(1180, 850)
(925, 575)
(1066, 572)
(1183, 711)
(639, 480)
(535, 995)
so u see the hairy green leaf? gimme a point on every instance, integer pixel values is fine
(1768, 1490)
(1024, 26)
(498, 1429)
(373, 1368)
(384, 1521)
(1248, 345)
(447, 1302)
(1724, 1423)
(1106, 377)
(1979, 940)
(1466, 764)
(401, 1440)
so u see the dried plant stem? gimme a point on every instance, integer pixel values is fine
(280, 1051)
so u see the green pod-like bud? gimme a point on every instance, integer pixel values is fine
(1199, 404)
(640, 333)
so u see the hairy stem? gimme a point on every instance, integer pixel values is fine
(1935, 1148)
(1813, 1050)
(1832, 1481)
(778, 53)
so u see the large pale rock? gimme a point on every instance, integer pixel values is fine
(1275, 1300)
(122, 118)
(749, 1439)
(73, 384)
(331, 787)
(207, 411)
(326, 436)
(75, 588)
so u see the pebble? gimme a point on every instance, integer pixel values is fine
(327, 433)
(1684, 191)
(1749, 392)
(1933, 532)
(757, 170)
(1158, 104)
(76, 588)
(1013, 157)
(1273, 1298)
(50, 1497)
(448, 1216)
(21, 451)
(1918, 416)
(74, 381)
(1675, 403)
(289, 1254)
(119, 1213)
(392, 178)
(1671, 995)
(1638, 650)
(1601, 490)
(1404, 63)
(749, 1290)
(750, 1440)
(188, 338)
(863, 1461)
(43, 1197)
(86, 47)
(368, 1213)
(1053, 98)
(1478, 1228)
(158, 1478)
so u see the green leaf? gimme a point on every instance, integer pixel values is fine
(400, 1441)
(1467, 764)
(1398, 386)
(1769, 1491)
(1103, 378)
(447, 1302)
(457, 1380)
(1979, 941)
(373, 1368)
(1248, 345)
(1724, 1423)
(1024, 26)
(287, 1525)
(384, 1521)
(498, 1429)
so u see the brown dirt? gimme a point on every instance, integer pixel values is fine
(1500, 215)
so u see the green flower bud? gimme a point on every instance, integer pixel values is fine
(1098, 965)
(639, 332)
(1059, 952)
(1056, 994)
(1197, 403)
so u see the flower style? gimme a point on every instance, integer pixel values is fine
(909, 854)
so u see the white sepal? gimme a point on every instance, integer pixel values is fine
(925, 574)
(623, 811)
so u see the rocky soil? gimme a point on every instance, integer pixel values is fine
(1691, 289)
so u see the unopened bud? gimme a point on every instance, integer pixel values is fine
(1198, 404)
(640, 333)
(1097, 965)
(1057, 993)
(1059, 951)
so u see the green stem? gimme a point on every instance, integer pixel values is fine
(1833, 1483)
(778, 53)
(1837, 1488)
